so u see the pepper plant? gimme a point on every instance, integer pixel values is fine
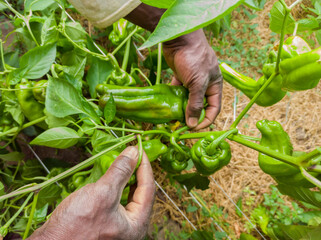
(65, 91)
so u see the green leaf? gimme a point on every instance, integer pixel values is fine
(159, 4)
(38, 5)
(41, 214)
(97, 73)
(31, 169)
(301, 194)
(276, 19)
(110, 109)
(306, 217)
(61, 137)
(240, 207)
(300, 232)
(191, 180)
(261, 217)
(37, 62)
(255, 4)
(2, 192)
(245, 236)
(204, 235)
(76, 32)
(48, 195)
(54, 122)
(186, 16)
(318, 36)
(2, 6)
(12, 156)
(49, 33)
(100, 140)
(63, 99)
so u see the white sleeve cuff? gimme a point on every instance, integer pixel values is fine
(102, 13)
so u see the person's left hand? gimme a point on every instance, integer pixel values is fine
(196, 67)
(94, 211)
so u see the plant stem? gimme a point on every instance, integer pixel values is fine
(8, 223)
(310, 178)
(315, 168)
(211, 149)
(121, 129)
(140, 149)
(143, 75)
(195, 135)
(2, 56)
(125, 40)
(294, 4)
(68, 172)
(156, 132)
(250, 104)
(126, 55)
(33, 209)
(282, 157)
(16, 129)
(159, 64)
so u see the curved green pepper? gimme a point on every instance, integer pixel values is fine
(121, 78)
(275, 138)
(107, 159)
(173, 161)
(155, 104)
(208, 158)
(40, 91)
(292, 47)
(271, 95)
(154, 148)
(302, 72)
(30, 107)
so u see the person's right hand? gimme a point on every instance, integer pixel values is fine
(94, 211)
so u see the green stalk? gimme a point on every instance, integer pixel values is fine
(250, 104)
(2, 56)
(120, 129)
(140, 149)
(156, 132)
(32, 213)
(4, 228)
(308, 156)
(126, 56)
(211, 149)
(159, 64)
(315, 168)
(293, 161)
(68, 172)
(125, 40)
(143, 75)
(310, 178)
(16, 129)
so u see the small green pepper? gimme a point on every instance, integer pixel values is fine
(30, 107)
(302, 72)
(39, 92)
(174, 161)
(107, 159)
(154, 148)
(121, 78)
(119, 32)
(155, 104)
(209, 158)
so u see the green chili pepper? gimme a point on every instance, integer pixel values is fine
(155, 104)
(121, 78)
(154, 148)
(174, 161)
(275, 138)
(301, 72)
(40, 91)
(210, 154)
(271, 95)
(107, 159)
(119, 32)
(30, 107)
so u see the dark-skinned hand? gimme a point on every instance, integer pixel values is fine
(94, 211)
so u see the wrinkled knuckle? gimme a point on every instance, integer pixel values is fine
(196, 106)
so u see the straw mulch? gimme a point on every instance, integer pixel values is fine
(300, 115)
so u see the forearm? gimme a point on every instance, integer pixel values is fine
(145, 16)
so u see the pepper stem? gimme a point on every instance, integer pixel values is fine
(310, 178)
(211, 149)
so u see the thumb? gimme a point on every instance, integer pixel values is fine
(119, 173)
(195, 105)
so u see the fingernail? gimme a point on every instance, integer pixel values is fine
(193, 121)
(130, 152)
